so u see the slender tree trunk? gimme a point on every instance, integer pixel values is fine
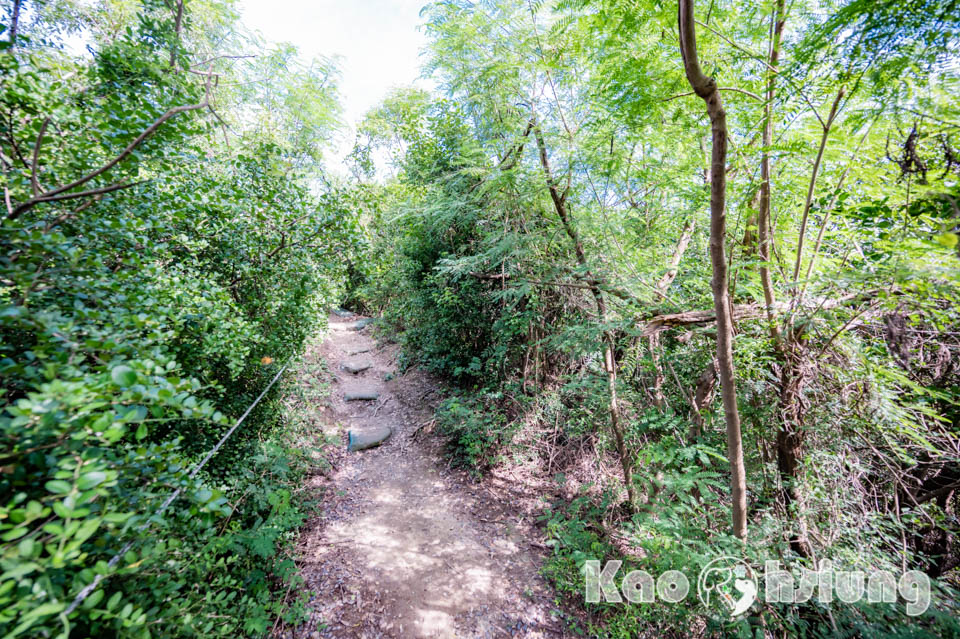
(609, 345)
(14, 22)
(763, 226)
(827, 126)
(706, 88)
(789, 439)
(826, 216)
(794, 373)
(671, 274)
(177, 27)
(685, 236)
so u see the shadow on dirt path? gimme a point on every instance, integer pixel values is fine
(402, 547)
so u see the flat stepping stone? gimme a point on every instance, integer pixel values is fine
(363, 395)
(342, 312)
(361, 351)
(357, 366)
(359, 325)
(367, 438)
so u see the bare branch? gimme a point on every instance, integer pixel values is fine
(742, 312)
(733, 89)
(833, 202)
(60, 219)
(52, 195)
(223, 125)
(280, 247)
(79, 194)
(813, 180)
(34, 181)
(766, 64)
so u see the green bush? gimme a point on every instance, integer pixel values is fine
(476, 431)
(135, 327)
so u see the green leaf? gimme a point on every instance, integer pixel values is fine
(58, 487)
(16, 533)
(123, 376)
(948, 240)
(19, 571)
(91, 479)
(25, 547)
(44, 610)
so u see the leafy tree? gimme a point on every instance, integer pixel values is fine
(574, 210)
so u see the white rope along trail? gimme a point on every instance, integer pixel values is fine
(83, 594)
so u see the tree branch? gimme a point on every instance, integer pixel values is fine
(735, 90)
(89, 193)
(766, 64)
(51, 196)
(741, 312)
(813, 181)
(14, 22)
(34, 180)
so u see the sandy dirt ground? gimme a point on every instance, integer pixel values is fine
(403, 546)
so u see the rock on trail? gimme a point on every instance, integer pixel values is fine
(357, 366)
(402, 547)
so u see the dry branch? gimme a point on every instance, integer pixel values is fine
(742, 312)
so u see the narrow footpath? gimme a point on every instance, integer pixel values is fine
(403, 546)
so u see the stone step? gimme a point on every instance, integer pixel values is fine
(357, 366)
(361, 395)
(359, 325)
(368, 437)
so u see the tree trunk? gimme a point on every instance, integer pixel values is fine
(177, 27)
(609, 345)
(702, 397)
(706, 88)
(685, 236)
(764, 231)
(653, 340)
(14, 22)
(791, 405)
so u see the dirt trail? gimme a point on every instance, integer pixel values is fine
(403, 547)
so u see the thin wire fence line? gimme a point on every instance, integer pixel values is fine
(89, 588)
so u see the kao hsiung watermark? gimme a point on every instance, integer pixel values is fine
(732, 585)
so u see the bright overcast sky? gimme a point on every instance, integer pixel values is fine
(378, 40)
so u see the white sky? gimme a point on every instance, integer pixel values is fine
(379, 43)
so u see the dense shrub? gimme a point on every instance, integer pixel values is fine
(476, 430)
(545, 238)
(136, 324)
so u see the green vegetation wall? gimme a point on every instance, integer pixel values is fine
(542, 234)
(165, 249)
